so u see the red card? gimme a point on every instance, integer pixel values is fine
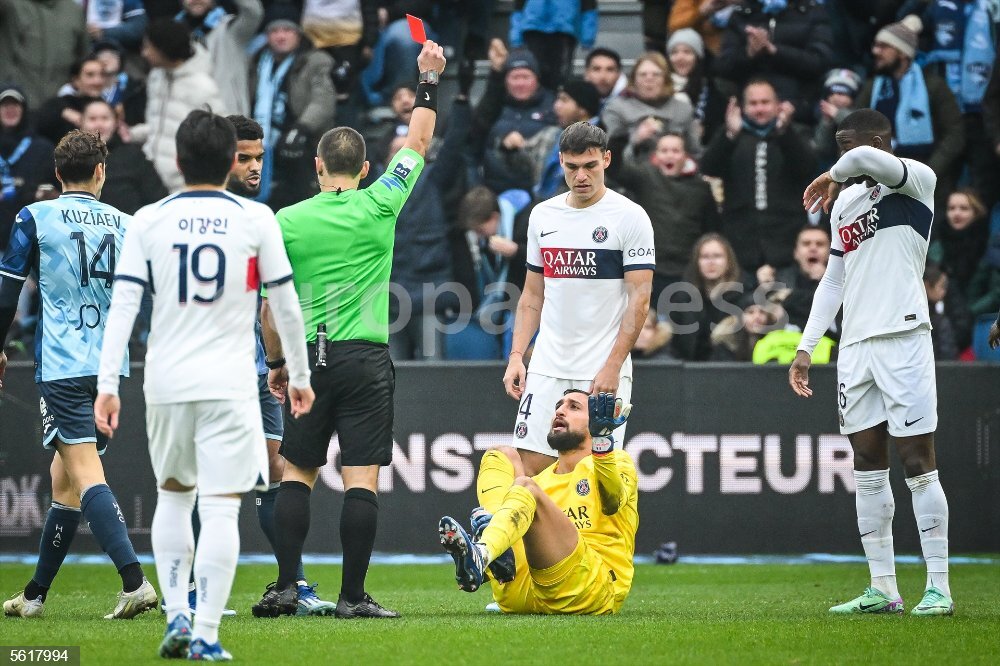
(417, 31)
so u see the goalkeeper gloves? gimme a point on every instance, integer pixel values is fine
(606, 414)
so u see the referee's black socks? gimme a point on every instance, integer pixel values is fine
(358, 523)
(291, 525)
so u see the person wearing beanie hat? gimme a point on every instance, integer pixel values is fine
(686, 53)
(576, 101)
(25, 159)
(840, 88)
(926, 119)
(293, 98)
(512, 112)
(687, 37)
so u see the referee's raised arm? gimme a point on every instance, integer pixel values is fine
(431, 64)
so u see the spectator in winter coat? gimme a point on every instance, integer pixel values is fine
(226, 37)
(686, 52)
(787, 42)
(676, 198)
(39, 42)
(179, 82)
(513, 109)
(926, 121)
(132, 181)
(764, 164)
(714, 291)
(942, 332)
(550, 29)
(603, 69)
(795, 285)
(701, 16)
(294, 102)
(60, 114)
(651, 106)
(25, 160)
(960, 242)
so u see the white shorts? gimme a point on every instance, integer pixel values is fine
(888, 379)
(216, 445)
(538, 407)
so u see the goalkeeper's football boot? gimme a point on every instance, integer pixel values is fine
(277, 602)
(202, 651)
(176, 639)
(18, 606)
(367, 607)
(469, 564)
(310, 603)
(503, 568)
(935, 602)
(132, 603)
(871, 601)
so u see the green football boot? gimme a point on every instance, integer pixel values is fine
(935, 602)
(871, 601)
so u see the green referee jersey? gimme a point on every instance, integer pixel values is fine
(340, 248)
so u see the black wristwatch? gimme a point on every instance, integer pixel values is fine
(276, 363)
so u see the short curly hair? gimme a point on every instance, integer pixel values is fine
(78, 154)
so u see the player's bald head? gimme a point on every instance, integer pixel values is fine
(865, 127)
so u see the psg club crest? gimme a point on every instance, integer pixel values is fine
(583, 488)
(600, 234)
(875, 192)
(521, 430)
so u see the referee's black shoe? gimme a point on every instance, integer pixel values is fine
(277, 602)
(367, 607)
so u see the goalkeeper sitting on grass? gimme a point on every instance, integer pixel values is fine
(570, 530)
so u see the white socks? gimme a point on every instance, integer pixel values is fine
(215, 562)
(173, 548)
(931, 509)
(876, 507)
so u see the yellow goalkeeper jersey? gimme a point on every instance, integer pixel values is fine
(578, 494)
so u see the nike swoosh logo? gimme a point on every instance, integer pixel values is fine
(931, 527)
(909, 423)
(546, 233)
(493, 488)
(863, 607)
(427, 97)
(867, 533)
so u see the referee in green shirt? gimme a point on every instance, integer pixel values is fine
(339, 243)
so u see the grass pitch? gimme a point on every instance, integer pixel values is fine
(681, 614)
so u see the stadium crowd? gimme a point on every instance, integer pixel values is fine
(715, 131)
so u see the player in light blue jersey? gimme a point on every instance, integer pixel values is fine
(71, 243)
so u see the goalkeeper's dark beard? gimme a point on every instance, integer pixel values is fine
(566, 440)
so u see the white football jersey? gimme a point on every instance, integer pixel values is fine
(583, 254)
(882, 233)
(205, 255)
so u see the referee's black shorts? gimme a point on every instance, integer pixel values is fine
(354, 398)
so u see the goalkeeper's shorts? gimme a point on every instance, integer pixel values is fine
(580, 584)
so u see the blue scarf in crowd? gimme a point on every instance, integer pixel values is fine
(912, 122)
(7, 187)
(270, 109)
(759, 131)
(964, 43)
(212, 19)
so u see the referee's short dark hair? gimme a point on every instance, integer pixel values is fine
(78, 154)
(206, 147)
(342, 150)
(247, 129)
(582, 136)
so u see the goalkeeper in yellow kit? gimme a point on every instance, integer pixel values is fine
(570, 530)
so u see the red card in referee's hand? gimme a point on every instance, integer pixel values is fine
(417, 31)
